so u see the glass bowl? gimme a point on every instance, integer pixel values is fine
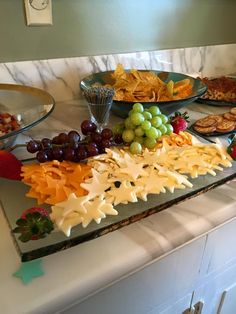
(121, 108)
(29, 105)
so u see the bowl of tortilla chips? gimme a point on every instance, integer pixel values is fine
(170, 91)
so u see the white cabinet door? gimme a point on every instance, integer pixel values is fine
(220, 250)
(160, 284)
(218, 269)
(228, 301)
(210, 292)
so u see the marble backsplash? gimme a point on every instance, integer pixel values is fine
(61, 77)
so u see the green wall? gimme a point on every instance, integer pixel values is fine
(94, 27)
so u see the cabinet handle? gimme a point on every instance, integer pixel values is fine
(198, 307)
(190, 310)
(195, 309)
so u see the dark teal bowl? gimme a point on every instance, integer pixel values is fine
(121, 108)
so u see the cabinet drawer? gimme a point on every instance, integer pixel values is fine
(164, 280)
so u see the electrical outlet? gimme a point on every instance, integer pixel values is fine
(38, 12)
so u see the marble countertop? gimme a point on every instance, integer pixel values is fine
(72, 275)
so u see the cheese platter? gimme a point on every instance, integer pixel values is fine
(82, 185)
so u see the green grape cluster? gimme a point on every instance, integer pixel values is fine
(143, 127)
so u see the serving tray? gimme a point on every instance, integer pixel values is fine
(216, 103)
(13, 202)
(211, 134)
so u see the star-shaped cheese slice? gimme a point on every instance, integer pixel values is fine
(142, 194)
(221, 149)
(149, 157)
(68, 222)
(133, 169)
(115, 154)
(65, 223)
(74, 204)
(97, 185)
(98, 157)
(117, 176)
(187, 164)
(177, 177)
(94, 212)
(153, 184)
(172, 177)
(124, 193)
(105, 206)
(171, 185)
(180, 179)
(57, 215)
(101, 166)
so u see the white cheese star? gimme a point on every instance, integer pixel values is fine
(106, 206)
(101, 166)
(71, 220)
(65, 223)
(93, 212)
(149, 157)
(124, 193)
(74, 204)
(153, 184)
(133, 169)
(57, 214)
(142, 194)
(116, 155)
(180, 179)
(97, 185)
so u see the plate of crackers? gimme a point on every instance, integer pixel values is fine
(215, 125)
(221, 91)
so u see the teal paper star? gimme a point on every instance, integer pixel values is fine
(29, 270)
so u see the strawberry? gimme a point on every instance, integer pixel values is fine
(231, 149)
(179, 122)
(33, 224)
(10, 166)
(233, 152)
(32, 210)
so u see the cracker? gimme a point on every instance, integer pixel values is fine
(233, 110)
(206, 122)
(229, 116)
(217, 117)
(204, 130)
(225, 126)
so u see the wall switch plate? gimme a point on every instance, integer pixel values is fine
(38, 12)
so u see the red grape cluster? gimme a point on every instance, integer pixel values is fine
(71, 147)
